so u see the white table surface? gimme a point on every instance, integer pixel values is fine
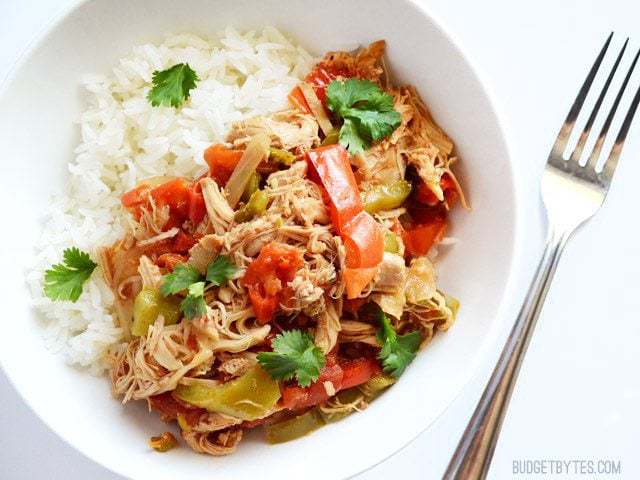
(579, 390)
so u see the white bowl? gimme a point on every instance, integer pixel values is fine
(38, 107)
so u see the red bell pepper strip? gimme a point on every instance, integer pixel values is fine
(296, 98)
(358, 371)
(361, 234)
(363, 241)
(342, 375)
(295, 397)
(331, 164)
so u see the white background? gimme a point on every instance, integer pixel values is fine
(578, 395)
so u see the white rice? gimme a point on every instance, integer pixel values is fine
(125, 139)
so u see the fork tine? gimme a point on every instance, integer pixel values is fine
(612, 161)
(563, 137)
(577, 152)
(597, 148)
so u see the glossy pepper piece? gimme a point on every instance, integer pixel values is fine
(331, 163)
(148, 305)
(391, 244)
(252, 186)
(386, 197)
(295, 427)
(248, 397)
(281, 157)
(332, 137)
(255, 207)
(363, 242)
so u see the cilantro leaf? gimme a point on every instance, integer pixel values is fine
(367, 112)
(345, 94)
(350, 138)
(171, 87)
(64, 281)
(294, 355)
(397, 351)
(193, 304)
(180, 279)
(220, 270)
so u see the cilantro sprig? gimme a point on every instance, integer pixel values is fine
(220, 271)
(64, 281)
(397, 351)
(193, 304)
(294, 355)
(366, 110)
(187, 277)
(180, 279)
(171, 87)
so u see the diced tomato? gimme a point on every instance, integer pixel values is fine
(182, 242)
(296, 98)
(363, 241)
(184, 199)
(170, 260)
(192, 342)
(175, 194)
(331, 164)
(170, 408)
(222, 161)
(295, 397)
(358, 371)
(418, 239)
(322, 75)
(197, 207)
(264, 305)
(267, 276)
(448, 186)
(135, 199)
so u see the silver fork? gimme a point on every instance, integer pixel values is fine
(572, 192)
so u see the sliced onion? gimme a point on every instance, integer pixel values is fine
(316, 108)
(257, 150)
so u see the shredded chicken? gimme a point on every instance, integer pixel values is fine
(214, 422)
(150, 273)
(205, 251)
(392, 274)
(218, 209)
(328, 328)
(235, 365)
(172, 232)
(155, 364)
(296, 197)
(217, 443)
(355, 331)
(288, 129)
(222, 344)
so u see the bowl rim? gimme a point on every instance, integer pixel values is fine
(506, 304)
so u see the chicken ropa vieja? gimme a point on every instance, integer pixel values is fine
(292, 282)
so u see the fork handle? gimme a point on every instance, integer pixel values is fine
(473, 455)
